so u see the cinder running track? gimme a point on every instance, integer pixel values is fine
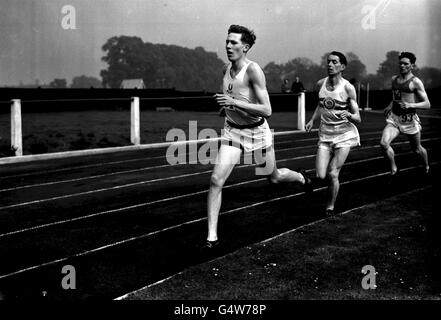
(125, 220)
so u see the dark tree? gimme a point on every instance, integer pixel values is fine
(388, 68)
(355, 69)
(160, 65)
(125, 58)
(58, 83)
(431, 77)
(85, 82)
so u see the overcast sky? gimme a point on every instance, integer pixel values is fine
(34, 44)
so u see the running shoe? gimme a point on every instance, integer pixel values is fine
(210, 246)
(329, 212)
(308, 182)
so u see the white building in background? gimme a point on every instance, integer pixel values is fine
(132, 84)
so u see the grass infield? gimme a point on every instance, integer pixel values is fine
(397, 236)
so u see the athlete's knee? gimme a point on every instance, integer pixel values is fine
(217, 181)
(275, 177)
(273, 180)
(333, 174)
(384, 144)
(280, 175)
(419, 150)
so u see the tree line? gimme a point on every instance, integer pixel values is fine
(61, 83)
(160, 65)
(310, 72)
(171, 66)
(77, 82)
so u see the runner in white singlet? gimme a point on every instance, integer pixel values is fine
(242, 129)
(246, 103)
(338, 110)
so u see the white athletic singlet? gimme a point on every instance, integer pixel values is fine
(238, 89)
(333, 128)
(333, 102)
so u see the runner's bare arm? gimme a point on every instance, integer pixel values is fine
(424, 102)
(354, 111)
(222, 109)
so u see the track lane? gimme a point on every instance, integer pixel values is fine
(112, 168)
(161, 254)
(61, 242)
(84, 185)
(70, 208)
(115, 270)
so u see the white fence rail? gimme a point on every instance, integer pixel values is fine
(135, 137)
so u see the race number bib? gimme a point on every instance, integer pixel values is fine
(406, 117)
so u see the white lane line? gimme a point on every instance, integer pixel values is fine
(86, 166)
(362, 137)
(133, 170)
(124, 172)
(268, 240)
(50, 183)
(152, 158)
(86, 252)
(135, 184)
(103, 189)
(140, 205)
(428, 116)
(342, 214)
(125, 296)
(142, 169)
(316, 137)
(161, 179)
(362, 142)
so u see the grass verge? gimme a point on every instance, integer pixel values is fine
(399, 237)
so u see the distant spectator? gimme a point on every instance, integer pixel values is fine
(297, 86)
(285, 86)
